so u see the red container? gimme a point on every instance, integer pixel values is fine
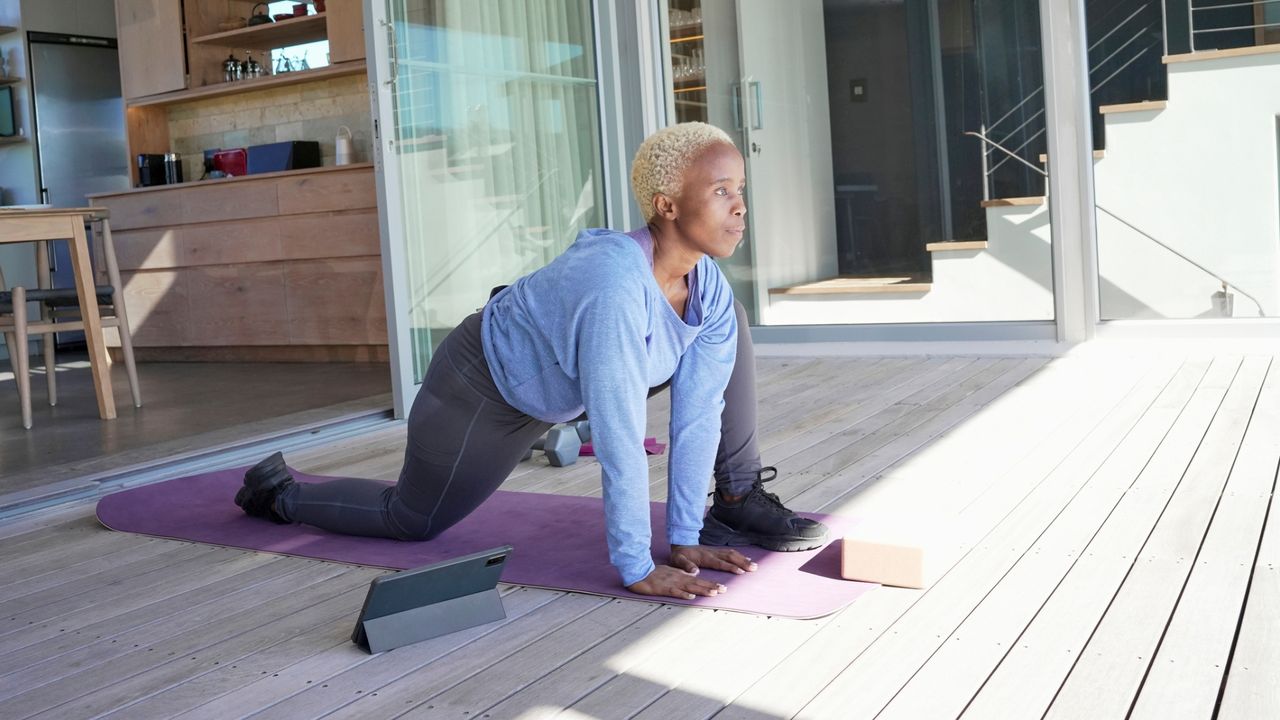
(233, 162)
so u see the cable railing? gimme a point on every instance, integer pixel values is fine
(1226, 285)
(1127, 33)
(1204, 19)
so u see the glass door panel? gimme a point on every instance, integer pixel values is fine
(895, 154)
(495, 130)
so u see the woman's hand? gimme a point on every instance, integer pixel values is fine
(691, 557)
(666, 581)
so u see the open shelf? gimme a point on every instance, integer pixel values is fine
(231, 88)
(682, 32)
(13, 140)
(268, 36)
(10, 80)
(6, 29)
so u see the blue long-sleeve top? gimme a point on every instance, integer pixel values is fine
(592, 330)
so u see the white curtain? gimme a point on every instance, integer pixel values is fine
(497, 134)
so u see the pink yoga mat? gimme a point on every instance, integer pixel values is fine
(558, 543)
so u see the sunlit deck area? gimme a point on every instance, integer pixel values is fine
(1100, 523)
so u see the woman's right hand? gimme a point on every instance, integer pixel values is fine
(666, 581)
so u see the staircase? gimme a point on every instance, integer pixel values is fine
(1186, 190)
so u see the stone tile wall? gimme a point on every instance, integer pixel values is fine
(310, 111)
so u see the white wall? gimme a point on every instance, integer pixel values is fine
(1200, 176)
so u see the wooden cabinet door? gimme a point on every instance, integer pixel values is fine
(152, 56)
(345, 20)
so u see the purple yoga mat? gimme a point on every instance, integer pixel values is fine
(558, 543)
(651, 447)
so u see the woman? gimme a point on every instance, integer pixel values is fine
(613, 319)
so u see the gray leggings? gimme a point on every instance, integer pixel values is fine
(464, 440)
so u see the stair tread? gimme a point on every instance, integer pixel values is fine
(1142, 106)
(1013, 202)
(901, 283)
(956, 246)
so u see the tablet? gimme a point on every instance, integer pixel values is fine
(421, 603)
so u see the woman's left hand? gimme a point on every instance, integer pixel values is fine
(691, 557)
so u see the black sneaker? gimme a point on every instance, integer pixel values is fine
(760, 518)
(263, 483)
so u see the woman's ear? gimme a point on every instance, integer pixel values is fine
(664, 206)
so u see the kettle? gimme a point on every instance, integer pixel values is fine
(257, 18)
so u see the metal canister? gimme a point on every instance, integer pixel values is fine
(172, 169)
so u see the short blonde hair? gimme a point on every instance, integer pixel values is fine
(664, 156)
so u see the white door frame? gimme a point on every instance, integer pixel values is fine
(395, 278)
(1070, 144)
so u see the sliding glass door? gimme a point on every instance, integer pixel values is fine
(895, 154)
(490, 153)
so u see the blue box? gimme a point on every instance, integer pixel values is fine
(274, 157)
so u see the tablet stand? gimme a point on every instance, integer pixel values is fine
(427, 621)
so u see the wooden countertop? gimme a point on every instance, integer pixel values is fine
(231, 180)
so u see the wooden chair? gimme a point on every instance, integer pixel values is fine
(60, 312)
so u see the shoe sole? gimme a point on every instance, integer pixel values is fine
(715, 532)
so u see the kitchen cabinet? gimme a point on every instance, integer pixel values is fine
(273, 267)
(346, 30)
(152, 56)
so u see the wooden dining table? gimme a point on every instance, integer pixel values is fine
(24, 225)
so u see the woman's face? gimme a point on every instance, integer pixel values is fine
(711, 209)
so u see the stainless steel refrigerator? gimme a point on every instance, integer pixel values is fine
(79, 123)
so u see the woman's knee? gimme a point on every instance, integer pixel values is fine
(408, 525)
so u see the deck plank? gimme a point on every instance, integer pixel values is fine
(145, 564)
(148, 670)
(52, 682)
(886, 619)
(1045, 479)
(1036, 662)
(226, 694)
(864, 405)
(520, 669)
(872, 680)
(1250, 689)
(46, 642)
(1172, 511)
(415, 684)
(583, 675)
(1189, 669)
(973, 650)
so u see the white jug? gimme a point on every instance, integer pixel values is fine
(343, 154)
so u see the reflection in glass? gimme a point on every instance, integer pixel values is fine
(497, 134)
(935, 131)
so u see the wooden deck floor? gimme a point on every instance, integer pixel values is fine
(1102, 522)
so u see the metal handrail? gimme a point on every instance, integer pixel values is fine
(1006, 151)
(1225, 284)
(1125, 52)
(1216, 276)
(1193, 11)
